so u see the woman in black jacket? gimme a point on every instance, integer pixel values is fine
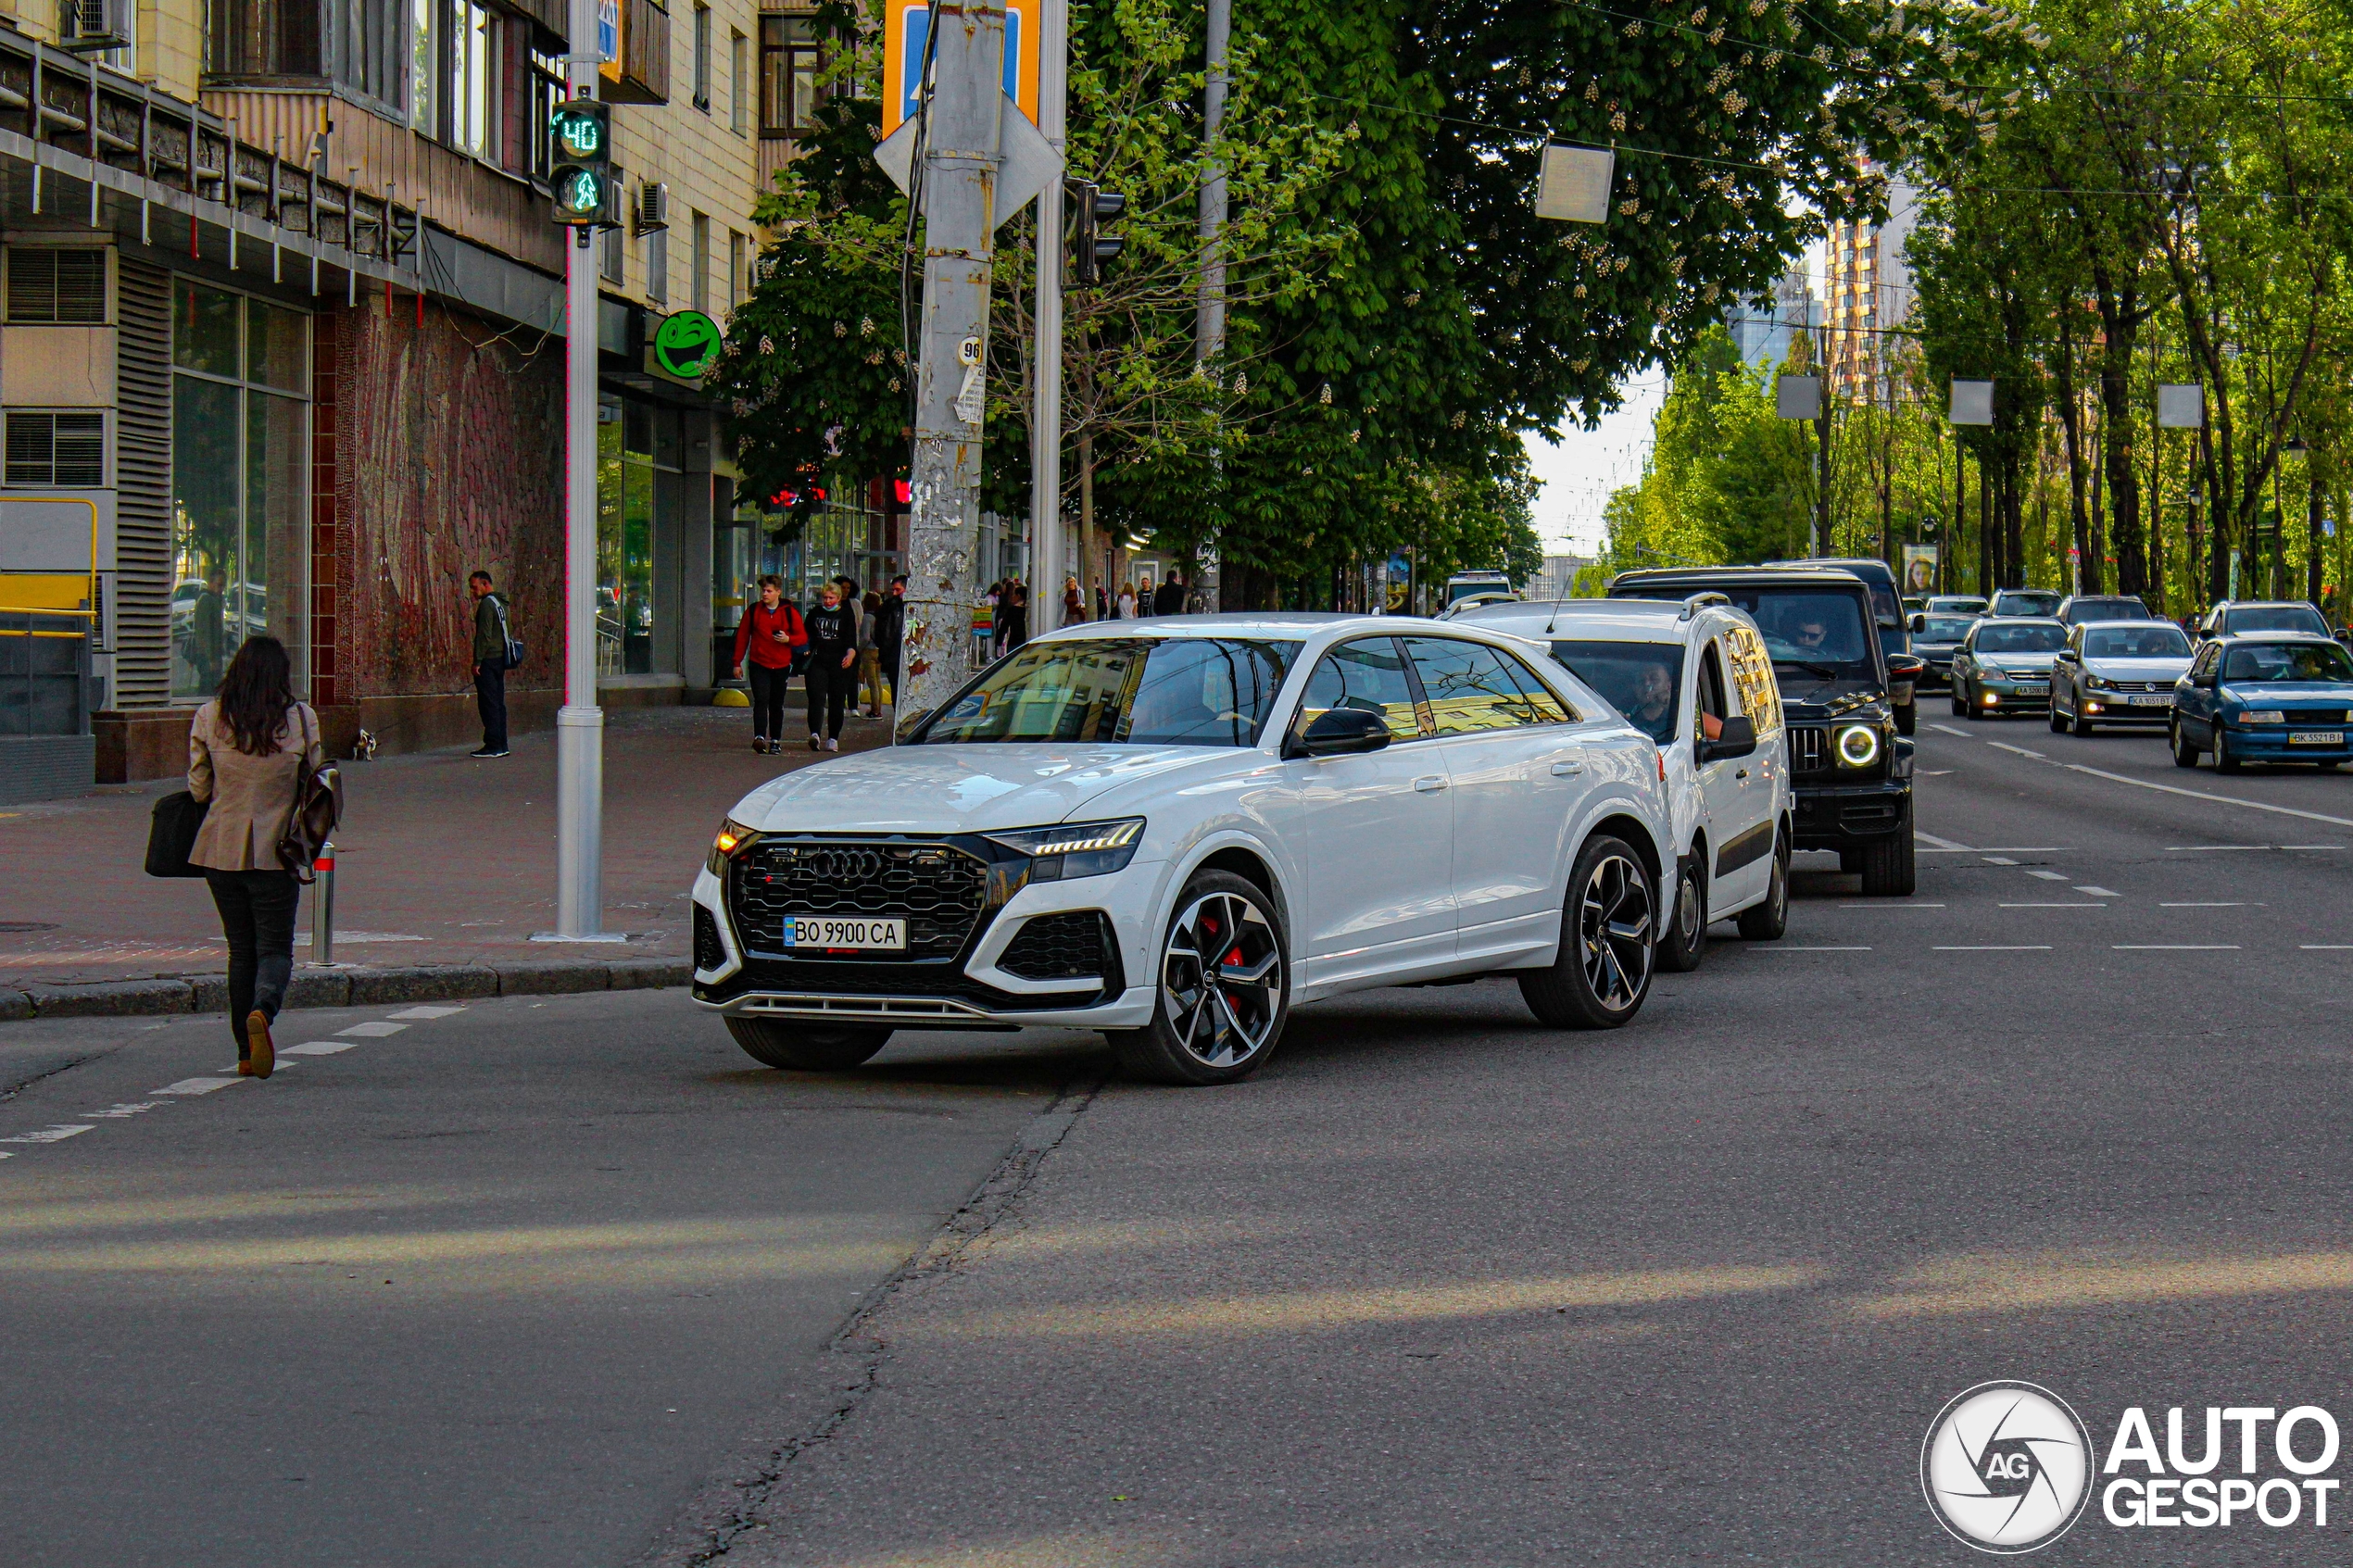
(833, 666)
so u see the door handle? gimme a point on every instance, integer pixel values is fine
(1429, 784)
(1563, 768)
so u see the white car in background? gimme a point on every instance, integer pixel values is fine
(1697, 678)
(1175, 831)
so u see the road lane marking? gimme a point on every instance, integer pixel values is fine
(1945, 844)
(2005, 745)
(2327, 947)
(2049, 877)
(1779, 947)
(1948, 729)
(1997, 860)
(2098, 892)
(2036, 948)
(320, 1047)
(1907, 904)
(373, 1030)
(2211, 849)
(429, 1012)
(2220, 801)
(53, 1134)
(2025, 850)
(2054, 906)
(2177, 946)
(2205, 905)
(199, 1085)
(116, 1111)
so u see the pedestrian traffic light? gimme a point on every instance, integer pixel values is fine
(1090, 247)
(583, 178)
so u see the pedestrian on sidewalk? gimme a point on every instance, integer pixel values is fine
(492, 641)
(870, 655)
(833, 658)
(248, 750)
(1170, 598)
(1016, 614)
(890, 633)
(1127, 602)
(765, 640)
(1074, 607)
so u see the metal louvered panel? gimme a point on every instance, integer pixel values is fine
(82, 286)
(32, 449)
(143, 489)
(80, 451)
(33, 284)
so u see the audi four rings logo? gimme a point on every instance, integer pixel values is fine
(2006, 1467)
(842, 865)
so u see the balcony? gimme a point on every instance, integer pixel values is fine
(640, 71)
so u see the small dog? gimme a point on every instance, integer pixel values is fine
(364, 749)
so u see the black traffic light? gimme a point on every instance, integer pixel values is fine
(584, 180)
(1089, 247)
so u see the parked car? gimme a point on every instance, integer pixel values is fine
(2118, 673)
(1479, 600)
(2078, 608)
(2036, 603)
(2265, 697)
(2233, 618)
(1176, 832)
(1851, 770)
(1936, 638)
(1956, 604)
(1887, 614)
(1696, 678)
(2004, 666)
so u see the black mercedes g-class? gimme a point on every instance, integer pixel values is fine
(1851, 770)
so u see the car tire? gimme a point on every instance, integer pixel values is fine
(1684, 941)
(1203, 1034)
(1890, 867)
(1608, 928)
(1767, 921)
(775, 1042)
(2223, 761)
(1908, 718)
(1970, 710)
(1960, 707)
(2082, 724)
(2184, 754)
(2058, 719)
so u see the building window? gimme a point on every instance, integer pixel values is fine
(610, 262)
(547, 90)
(700, 291)
(367, 46)
(658, 264)
(264, 38)
(738, 84)
(68, 287)
(734, 271)
(240, 491)
(424, 65)
(66, 451)
(702, 58)
(787, 76)
(472, 104)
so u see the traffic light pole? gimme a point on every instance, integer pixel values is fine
(1046, 567)
(959, 154)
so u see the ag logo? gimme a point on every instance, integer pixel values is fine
(2006, 1467)
(685, 343)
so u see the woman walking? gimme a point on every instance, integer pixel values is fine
(832, 658)
(765, 639)
(1016, 614)
(1073, 607)
(247, 750)
(1127, 602)
(870, 655)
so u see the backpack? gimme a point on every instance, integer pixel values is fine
(514, 649)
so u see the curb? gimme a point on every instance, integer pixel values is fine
(370, 987)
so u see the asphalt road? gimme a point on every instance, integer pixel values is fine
(1437, 1286)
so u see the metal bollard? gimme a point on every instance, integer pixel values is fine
(322, 906)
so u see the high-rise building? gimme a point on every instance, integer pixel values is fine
(1761, 329)
(1869, 289)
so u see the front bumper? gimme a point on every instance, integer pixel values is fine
(2011, 701)
(1847, 816)
(2269, 743)
(2107, 710)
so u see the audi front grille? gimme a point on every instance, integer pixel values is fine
(938, 889)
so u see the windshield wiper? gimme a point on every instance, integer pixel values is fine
(1826, 671)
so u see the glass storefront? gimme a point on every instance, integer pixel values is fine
(844, 537)
(240, 467)
(639, 457)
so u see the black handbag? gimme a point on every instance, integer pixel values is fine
(318, 809)
(172, 834)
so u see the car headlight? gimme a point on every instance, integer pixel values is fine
(1075, 849)
(731, 837)
(1858, 744)
(2261, 716)
(2099, 682)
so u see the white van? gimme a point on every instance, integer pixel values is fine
(1695, 676)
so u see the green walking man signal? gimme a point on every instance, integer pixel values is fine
(584, 180)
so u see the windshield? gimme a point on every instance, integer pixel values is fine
(1643, 681)
(1821, 627)
(2025, 601)
(1134, 691)
(2276, 618)
(1946, 628)
(2019, 639)
(2288, 661)
(2154, 641)
(2107, 610)
(1961, 603)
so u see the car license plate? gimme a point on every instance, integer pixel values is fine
(2151, 699)
(834, 933)
(2316, 737)
(2036, 690)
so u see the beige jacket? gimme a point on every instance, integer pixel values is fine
(252, 797)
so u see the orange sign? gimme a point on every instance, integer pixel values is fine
(906, 30)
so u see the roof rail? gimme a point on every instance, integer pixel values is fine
(1699, 601)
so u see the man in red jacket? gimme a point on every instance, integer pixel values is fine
(768, 633)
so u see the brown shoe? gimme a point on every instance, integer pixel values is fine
(245, 1067)
(264, 1057)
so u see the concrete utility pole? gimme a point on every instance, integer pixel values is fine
(580, 723)
(1209, 331)
(959, 154)
(1046, 567)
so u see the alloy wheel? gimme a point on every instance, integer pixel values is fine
(1222, 980)
(1615, 929)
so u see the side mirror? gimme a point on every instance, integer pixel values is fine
(1342, 732)
(1918, 624)
(1739, 739)
(1906, 667)
(2067, 656)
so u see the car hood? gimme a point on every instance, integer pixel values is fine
(2271, 691)
(2138, 669)
(962, 788)
(2016, 663)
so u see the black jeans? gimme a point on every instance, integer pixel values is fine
(768, 689)
(257, 917)
(891, 669)
(830, 687)
(490, 694)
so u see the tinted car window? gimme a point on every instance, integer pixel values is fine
(2288, 661)
(1643, 681)
(2275, 618)
(2019, 639)
(1368, 675)
(1946, 628)
(2025, 601)
(1138, 691)
(1467, 686)
(1547, 707)
(2154, 641)
(1819, 626)
(2106, 610)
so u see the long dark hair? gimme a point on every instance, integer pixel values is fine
(255, 694)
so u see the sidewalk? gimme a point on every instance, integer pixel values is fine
(444, 864)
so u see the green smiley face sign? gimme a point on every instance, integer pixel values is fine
(687, 343)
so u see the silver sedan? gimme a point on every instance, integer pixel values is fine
(2118, 673)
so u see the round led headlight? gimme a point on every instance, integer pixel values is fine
(1859, 746)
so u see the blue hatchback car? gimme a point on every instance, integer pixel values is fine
(2265, 699)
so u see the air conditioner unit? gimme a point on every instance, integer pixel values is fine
(653, 207)
(89, 26)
